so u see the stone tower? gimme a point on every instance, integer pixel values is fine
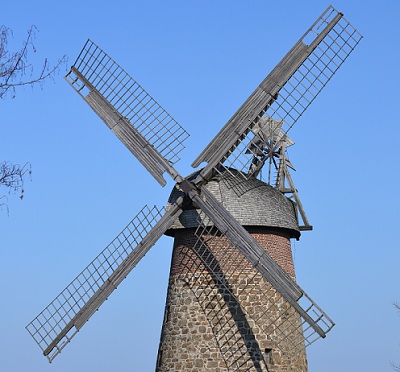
(215, 318)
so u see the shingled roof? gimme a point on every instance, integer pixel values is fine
(251, 202)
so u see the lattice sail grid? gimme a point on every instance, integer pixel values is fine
(56, 323)
(240, 304)
(249, 152)
(129, 99)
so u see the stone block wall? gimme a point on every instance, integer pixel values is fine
(221, 315)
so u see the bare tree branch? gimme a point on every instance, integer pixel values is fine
(396, 367)
(15, 70)
(12, 176)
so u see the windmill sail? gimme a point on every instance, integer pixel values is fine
(144, 127)
(285, 93)
(308, 310)
(55, 326)
(240, 303)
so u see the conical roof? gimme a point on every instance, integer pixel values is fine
(250, 201)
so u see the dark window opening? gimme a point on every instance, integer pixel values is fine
(268, 355)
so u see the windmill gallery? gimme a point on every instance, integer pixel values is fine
(233, 303)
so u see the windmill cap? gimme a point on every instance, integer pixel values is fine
(250, 201)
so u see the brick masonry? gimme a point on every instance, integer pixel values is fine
(221, 315)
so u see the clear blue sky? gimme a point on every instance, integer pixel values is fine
(200, 60)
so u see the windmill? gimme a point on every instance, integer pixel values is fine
(251, 302)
